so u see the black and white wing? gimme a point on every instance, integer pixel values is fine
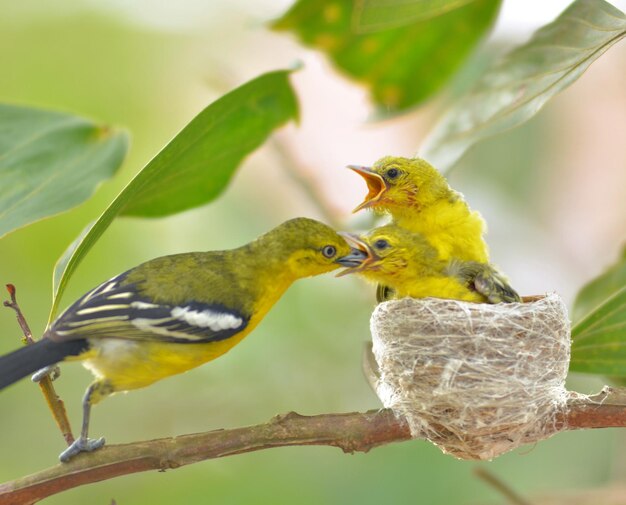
(117, 310)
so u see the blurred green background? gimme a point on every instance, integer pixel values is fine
(150, 69)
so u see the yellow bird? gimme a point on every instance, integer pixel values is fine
(420, 199)
(411, 266)
(174, 313)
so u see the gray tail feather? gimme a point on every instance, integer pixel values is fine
(30, 358)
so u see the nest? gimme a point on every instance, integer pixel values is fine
(477, 380)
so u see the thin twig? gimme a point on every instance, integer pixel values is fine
(499, 485)
(55, 404)
(300, 175)
(21, 320)
(532, 298)
(350, 432)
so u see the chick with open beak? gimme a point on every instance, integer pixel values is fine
(367, 258)
(418, 198)
(411, 266)
(376, 186)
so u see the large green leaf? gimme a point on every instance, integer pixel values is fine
(599, 289)
(51, 162)
(401, 66)
(600, 339)
(517, 86)
(197, 164)
(372, 15)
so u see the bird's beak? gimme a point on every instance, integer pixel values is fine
(352, 259)
(366, 255)
(376, 186)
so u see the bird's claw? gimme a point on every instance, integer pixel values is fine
(79, 445)
(53, 371)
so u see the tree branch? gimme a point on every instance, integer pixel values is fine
(352, 432)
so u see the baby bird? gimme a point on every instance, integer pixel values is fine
(419, 199)
(409, 264)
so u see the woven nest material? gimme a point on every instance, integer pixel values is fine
(477, 380)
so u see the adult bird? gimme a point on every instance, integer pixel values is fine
(174, 313)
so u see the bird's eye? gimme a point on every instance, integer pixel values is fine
(392, 173)
(329, 251)
(381, 244)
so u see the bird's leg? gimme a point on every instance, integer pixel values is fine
(94, 393)
(383, 293)
(52, 371)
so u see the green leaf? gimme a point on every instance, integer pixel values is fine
(600, 288)
(515, 88)
(51, 162)
(371, 15)
(401, 66)
(195, 167)
(599, 340)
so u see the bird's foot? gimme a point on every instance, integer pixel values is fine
(53, 371)
(79, 445)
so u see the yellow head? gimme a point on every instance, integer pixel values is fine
(393, 255)
(396, 183)
(307, 247)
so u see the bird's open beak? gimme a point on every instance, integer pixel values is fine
(352, 259)
(366, 255)
(376, 186)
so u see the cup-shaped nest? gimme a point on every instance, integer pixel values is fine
(477, 380)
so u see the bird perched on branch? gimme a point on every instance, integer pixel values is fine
(408, 263)
(420, 199)
(174, 313)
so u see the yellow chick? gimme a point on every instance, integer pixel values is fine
(419, 199)
(411, 266)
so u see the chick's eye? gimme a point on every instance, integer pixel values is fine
(381, 244)
(392, 173)
(329, 251)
